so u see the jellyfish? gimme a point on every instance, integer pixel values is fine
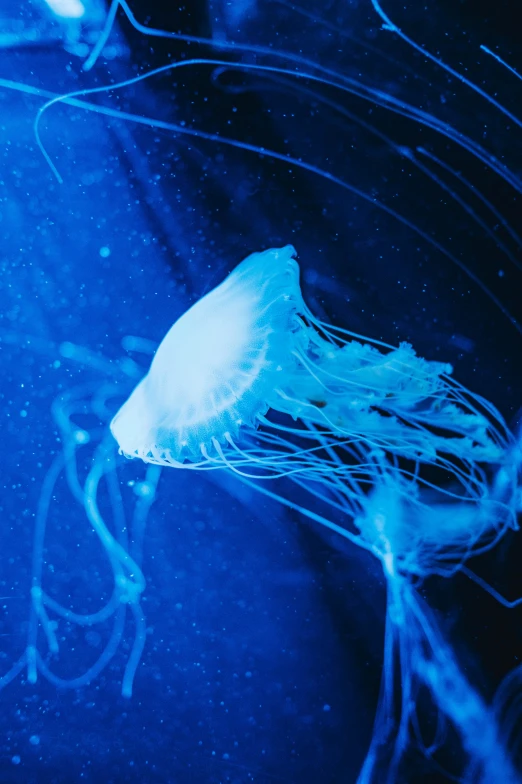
(92, 445)
(250, 381)
(387, 449)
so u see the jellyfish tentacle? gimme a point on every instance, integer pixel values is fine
(327, 76)
(284, 158)
(389, 25)
(40, 600)
(128, 576)
(14, 671)
(500, 60)
(95, 669)
(499, 217)
(413, 640)
(510, 604)
(37, 613)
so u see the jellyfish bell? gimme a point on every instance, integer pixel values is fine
(218, 366)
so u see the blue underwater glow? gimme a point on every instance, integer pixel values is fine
(177, 579)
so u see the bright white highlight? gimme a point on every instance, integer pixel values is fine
(67, 9)
(201, 353)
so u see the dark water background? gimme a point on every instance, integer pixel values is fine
(264, 635)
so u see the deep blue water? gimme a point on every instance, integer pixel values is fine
(264, 634)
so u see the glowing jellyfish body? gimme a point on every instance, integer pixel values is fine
(252, 346)
(408, 463)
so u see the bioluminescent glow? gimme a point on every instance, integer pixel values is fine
(67, 9)
(360, 424)
(252, 346)
(360, 435)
